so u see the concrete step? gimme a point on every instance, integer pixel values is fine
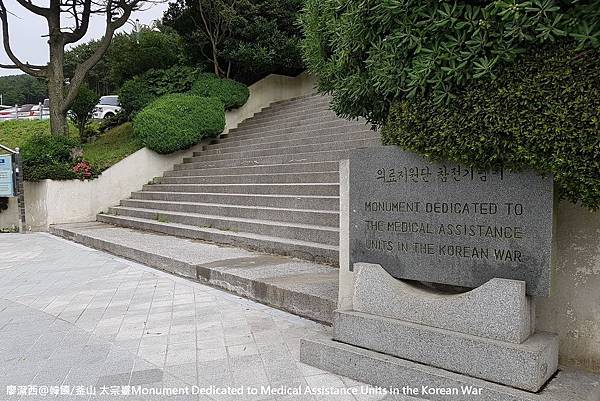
(323, 189)
(300, 287)
(294, 231)
(288, 122)
(231, 147)
(301, 102)
(307, 148)
(330, 218)
(298, 168)
(329, 203)
(323, 156)
(261, 120)
(287, 178)
(228, 140)
(268, 113)
(291, 109)
(306, 250)
(246, 133)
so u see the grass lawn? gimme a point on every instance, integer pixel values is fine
(113, 146)
(15, 133)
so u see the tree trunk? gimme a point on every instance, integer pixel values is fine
(216, 60)
(56, 82)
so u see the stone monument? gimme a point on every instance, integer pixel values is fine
(436, 283)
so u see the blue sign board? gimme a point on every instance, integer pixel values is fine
(6, 176)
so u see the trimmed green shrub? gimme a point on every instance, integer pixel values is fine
(175, 122)
(134, 95)
(541, 113)
(233, 94)
(178, 79)
(140, 91)
(48, 157)
(371, 53)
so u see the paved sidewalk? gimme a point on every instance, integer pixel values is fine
(73, 319)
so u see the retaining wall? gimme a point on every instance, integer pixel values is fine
(52, 202)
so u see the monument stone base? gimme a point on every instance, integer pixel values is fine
(478, 345)
(435, 384)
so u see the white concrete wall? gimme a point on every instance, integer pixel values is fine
(52, 202)
(9, 217)
(573, 309)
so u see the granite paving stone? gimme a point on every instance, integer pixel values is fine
(73, 316)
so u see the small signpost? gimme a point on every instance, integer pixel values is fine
(11, 180)
(7, 188)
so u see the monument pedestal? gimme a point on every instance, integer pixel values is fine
(478, 345)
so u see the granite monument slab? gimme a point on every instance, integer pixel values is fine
(450, 224)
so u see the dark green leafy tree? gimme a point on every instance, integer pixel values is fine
(22, 89)
(81, 109)
(241, 39)
(98, 78)
(129, 54)
(369, 53)
(207, 24)
(135, 53)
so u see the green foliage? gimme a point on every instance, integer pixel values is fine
(113, 121)
(175, 122)
(98, 77)
(48, 156)
(178, 79)
(232, 94)
(541, 113)
(22, 89)
(370, 53)
(134, 53)
(139, 92)
(254, 38)
(81, 109)
(129, 55)
(134, 95)
(112, 147)
(91, 131)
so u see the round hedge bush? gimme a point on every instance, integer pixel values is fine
(233, 94)
(176, 121)
(541, 113)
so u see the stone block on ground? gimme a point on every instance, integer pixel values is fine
(527, 366)
(437, 384)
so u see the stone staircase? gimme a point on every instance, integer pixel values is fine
(271, 184)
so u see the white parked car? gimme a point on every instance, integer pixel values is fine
(107, 107)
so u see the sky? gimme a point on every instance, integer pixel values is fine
(26, 31)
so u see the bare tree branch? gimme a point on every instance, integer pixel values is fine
(112, 25)
(45, 12)
(16, 67)
(31, 70)
(80, 27)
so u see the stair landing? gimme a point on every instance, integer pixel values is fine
(304, 288)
